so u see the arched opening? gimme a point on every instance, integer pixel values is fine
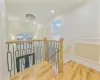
(24, 36)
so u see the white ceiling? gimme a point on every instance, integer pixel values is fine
(40, 8)
(41, 1)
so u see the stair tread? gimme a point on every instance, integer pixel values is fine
(68, 75)
(39, 72)
(49, 74)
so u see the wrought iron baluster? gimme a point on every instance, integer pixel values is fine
(42, 53)
(23, 54)
(17, 54)
(21, 65)
(53, 52)
(37, 52)
(20, 49)
(56, 56)
(23, 50)
(39, 56)
(29, 48)
(50, 45)
(14, 61)
(29, 52)
(9, 69)
(33, 47)
(40, 50)
(49, 49)
(26, 49)
(58, 52)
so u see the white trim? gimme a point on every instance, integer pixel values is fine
(88, 41)
(89, 63)
(86, 62)
(67, 60)
(83, 41)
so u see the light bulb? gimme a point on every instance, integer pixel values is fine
(13, 38)
(52, 11)
(34, 37)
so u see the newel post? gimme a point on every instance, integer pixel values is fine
(61, 56)
(45, 48)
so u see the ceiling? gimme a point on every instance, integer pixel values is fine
(40, 8)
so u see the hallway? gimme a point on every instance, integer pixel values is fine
(32, 31)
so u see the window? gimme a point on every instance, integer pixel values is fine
(56, 30)
(24, 36)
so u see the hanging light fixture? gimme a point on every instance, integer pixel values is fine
(30, 16)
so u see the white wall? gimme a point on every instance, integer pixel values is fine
(17, 26)
(3, 39)
(81, 22)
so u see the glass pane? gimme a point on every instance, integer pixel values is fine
(24, 36)
(56, 26)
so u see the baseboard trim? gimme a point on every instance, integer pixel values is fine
(67, 60)
(89, 63)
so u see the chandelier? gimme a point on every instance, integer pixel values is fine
(30, 16)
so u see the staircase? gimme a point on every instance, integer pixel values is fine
(42, 71)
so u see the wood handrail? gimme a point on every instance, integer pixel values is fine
(22, 41)
(54, 40)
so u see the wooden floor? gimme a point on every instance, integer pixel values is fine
(41, 71)
(44, 71)
(75, 71)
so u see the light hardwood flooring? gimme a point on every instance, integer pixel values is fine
(44, 71)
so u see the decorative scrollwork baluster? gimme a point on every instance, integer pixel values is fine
(9, 60)
(14, 59)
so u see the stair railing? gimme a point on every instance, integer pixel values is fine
(24, 54)
(56, 59)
